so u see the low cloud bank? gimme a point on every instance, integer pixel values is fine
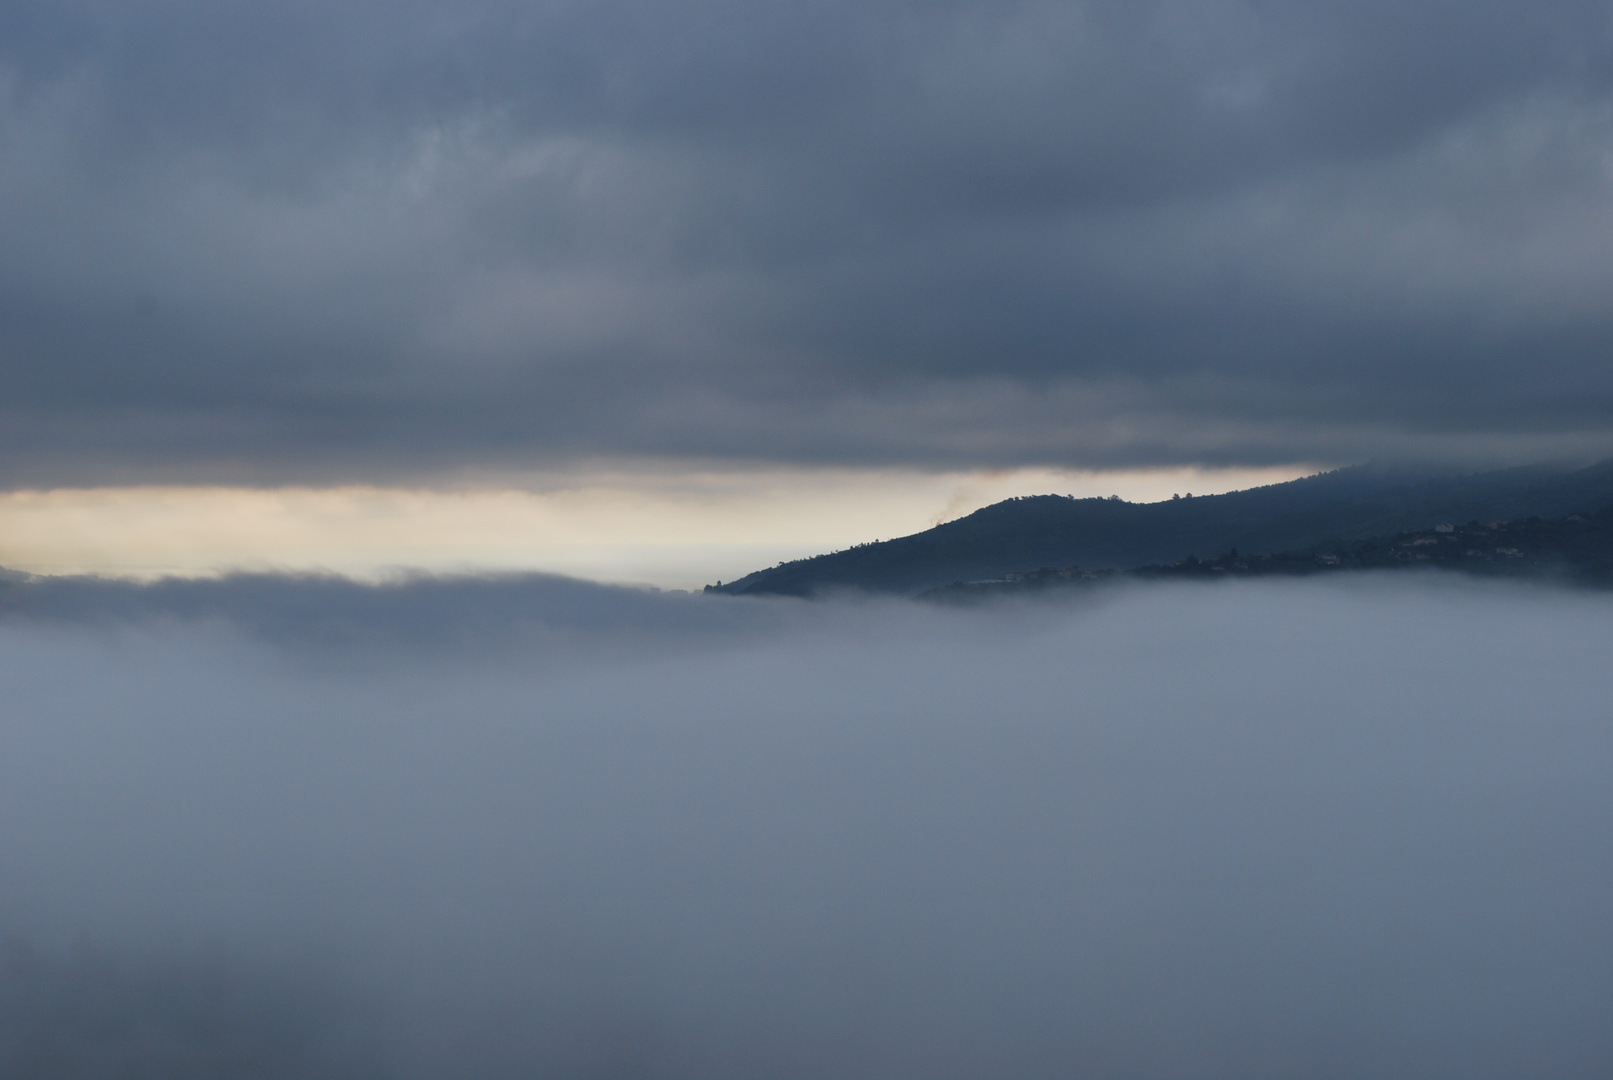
(346, 621)
(1297, 829)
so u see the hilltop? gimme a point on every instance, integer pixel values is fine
(1341, 508)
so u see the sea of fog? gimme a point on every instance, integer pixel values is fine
(536, 828)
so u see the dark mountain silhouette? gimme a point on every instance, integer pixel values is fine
(1336, 507)
(1573, 550)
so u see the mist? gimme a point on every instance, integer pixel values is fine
(531, 827)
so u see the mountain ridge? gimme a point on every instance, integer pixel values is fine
(1338, 506)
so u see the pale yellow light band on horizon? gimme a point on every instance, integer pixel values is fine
(668, 530)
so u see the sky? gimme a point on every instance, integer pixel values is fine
(270, 828)
(527, 247)
(677, 529)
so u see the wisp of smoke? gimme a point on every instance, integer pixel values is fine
(533, 828)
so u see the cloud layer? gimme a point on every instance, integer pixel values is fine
(366, 243)
(1270, 831)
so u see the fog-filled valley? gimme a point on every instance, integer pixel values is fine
(532, 827)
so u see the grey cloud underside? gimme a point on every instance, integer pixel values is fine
(299, 242)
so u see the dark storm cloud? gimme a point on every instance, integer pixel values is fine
(1321, 829)
(365, 241)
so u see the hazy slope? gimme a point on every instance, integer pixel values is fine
(1053, 530)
